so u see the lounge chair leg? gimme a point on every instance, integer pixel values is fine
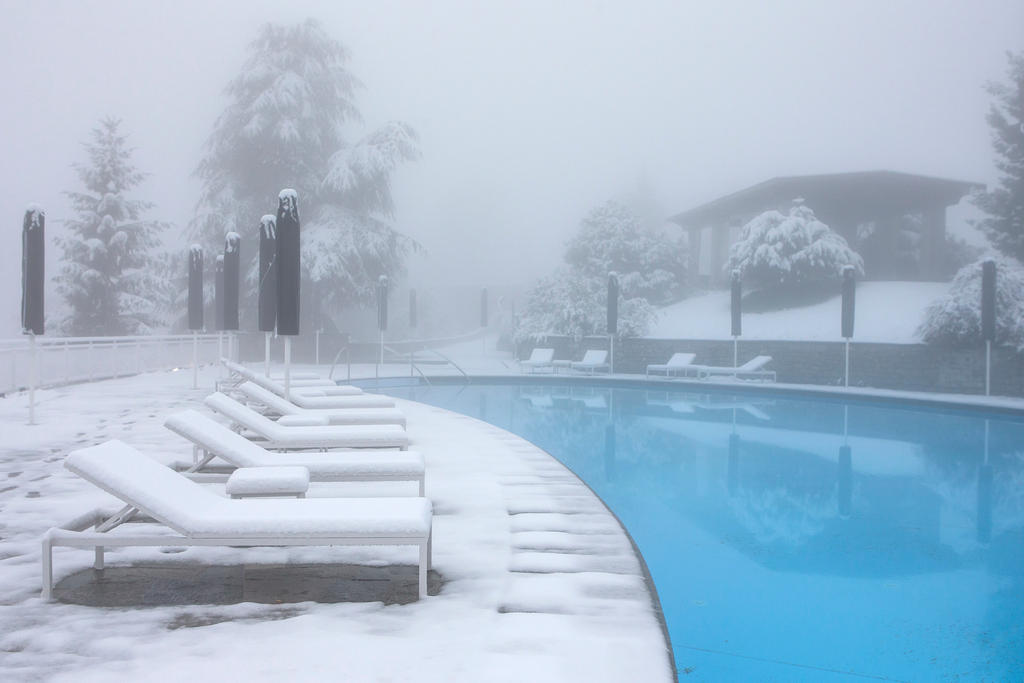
(47, 569)
(424, 553)
(98, 561)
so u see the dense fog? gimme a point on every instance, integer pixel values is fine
(528, 115)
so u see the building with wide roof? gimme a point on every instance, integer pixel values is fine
(895, 221)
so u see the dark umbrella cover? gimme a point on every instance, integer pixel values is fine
(267, 287)
(232, 273)
(288, 263)
(737, 304)
(988, 300)
(382, 303)
(33, 270)
(195, 287)
(849, 300)
(218, 293)
(613, 304)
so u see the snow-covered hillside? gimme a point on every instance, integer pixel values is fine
(886, 312)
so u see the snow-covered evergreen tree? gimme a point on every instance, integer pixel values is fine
(611, 238)
(1004, 204)
(105, 276)
(573, 300)
(955, 318)
(284, 127)
(572, 303)
(775, 249)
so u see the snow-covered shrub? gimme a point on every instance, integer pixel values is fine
(955, 318)
(611, 238)
(775, 249)
(571, 303)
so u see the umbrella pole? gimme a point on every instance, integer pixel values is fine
(33, 378)
(611, 353)
(735, 351)
(846, 373)
(195, 360)
(266, 355)
(988, 366)
(288, 368)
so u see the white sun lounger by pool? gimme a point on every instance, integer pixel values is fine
(278, 405)
(749, 370)
(679, 363)
(593, 360)
(193, 516)
(211, 439)
(275, 436)
(539, 358)
(328, 387)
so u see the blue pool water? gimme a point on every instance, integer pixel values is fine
(799, 539)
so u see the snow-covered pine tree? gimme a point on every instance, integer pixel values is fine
(1004, 204)
(954, 319)
(611, 238)
(105, 275)
(283, 127)
(790, 250)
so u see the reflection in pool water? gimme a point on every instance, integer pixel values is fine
(799, 539)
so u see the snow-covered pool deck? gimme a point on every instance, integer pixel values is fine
(540, 582)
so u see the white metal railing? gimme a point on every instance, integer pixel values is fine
(62, 360)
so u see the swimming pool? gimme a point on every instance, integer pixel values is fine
(798, 539)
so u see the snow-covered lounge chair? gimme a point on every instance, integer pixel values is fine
(277, 405)
(539, 358)
(211, 440)
(593, 360)
(752, 369)
(319, 398)
(194, 516)
(275, 436)
(243, 374)
(678, 364)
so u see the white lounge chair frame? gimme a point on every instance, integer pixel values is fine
(539, 358)
(75, 532)
(278, 405)
(239, 373)
(274, 436)
(211, 439)
(593, 360)
(678, 363)
(749, 370)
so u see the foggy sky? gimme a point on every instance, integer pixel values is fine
(529, 113)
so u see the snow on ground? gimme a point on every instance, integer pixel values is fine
(886, 312)
(541, 583)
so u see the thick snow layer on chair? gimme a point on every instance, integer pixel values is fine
(265, 481)
(240, 452)
(333, 436)
(195, 512)
(325, 385)
(334, 416)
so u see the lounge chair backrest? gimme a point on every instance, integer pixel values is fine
(218, 439)
(539, 355)
(267, 398)
(243, 415)
(755, 363)
(594, 357)
(142, 482)
(238, 368)
(681, 359)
